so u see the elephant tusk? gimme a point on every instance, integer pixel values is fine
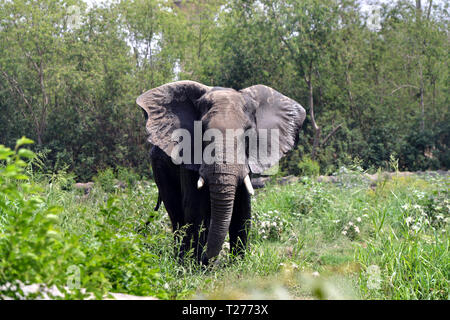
(200, 183)
(248, 185)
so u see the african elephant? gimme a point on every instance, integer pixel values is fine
(211, 197)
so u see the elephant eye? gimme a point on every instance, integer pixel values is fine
(247, 146)
(248, 125)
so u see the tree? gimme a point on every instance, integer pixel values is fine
(306, 29)
(31, 38)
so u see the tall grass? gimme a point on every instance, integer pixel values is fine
(308, 240)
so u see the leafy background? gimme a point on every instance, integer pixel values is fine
(375, 91)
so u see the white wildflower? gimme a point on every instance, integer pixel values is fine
(408, 220)
(356, 229)
(344, 233)
(358, 219)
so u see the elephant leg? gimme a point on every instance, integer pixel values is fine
(167, 178)
(197, 212)
(240, 222)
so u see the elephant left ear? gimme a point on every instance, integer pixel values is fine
(278, 121)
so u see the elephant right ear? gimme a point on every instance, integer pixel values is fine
(171, 107)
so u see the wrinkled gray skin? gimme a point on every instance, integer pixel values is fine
(223, 204)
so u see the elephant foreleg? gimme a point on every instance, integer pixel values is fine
(167, 179)
(196, 206)
(240, 222)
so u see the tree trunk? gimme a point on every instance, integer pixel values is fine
(422, 106)
(316, 128)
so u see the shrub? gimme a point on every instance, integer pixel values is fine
(308, 167)
(105, 179)
(34, 249)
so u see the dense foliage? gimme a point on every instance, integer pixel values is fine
(349, 239)
(373, 78)
(67, 253)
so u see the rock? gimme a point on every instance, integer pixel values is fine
(259, 182)
(120, 185)
(372, 179)
(86, 187)
(326, 179)
(288, 180)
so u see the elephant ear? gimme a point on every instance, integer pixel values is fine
(168, 108)
(276, 115)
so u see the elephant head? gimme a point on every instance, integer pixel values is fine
(257, 114)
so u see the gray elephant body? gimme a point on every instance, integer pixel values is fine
(223, 203)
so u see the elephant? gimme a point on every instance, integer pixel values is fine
(209, 198)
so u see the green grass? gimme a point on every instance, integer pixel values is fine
(308, 240)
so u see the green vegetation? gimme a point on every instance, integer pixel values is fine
(48, 237)
(348, 239)
(70, 74)
(376, 95)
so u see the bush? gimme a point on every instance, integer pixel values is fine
(105, 179)
(34, 249)
(308, 167)
(127, 176)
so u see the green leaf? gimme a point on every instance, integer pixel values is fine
(5, 153)
(22, 141)
(53, 234)
(25, 153)
(21, 177)
(52, 217)
(55, 210)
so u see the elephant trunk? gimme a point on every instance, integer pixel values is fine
(222, 200)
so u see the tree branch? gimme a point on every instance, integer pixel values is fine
(429, 10)
(324, 141)
(404, 86)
